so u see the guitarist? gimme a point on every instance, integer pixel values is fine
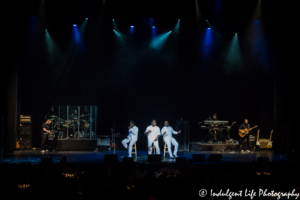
(244, 140)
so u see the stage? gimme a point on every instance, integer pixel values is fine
(91, 157)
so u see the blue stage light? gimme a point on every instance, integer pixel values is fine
(208, 28)
(74, 24)
(153, 26)
(131, 26)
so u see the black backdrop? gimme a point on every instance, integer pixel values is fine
(130, 81)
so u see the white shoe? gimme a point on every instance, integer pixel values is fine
(129, 156)
(248, 151)
(242, 151)
(176, 155)
(43, 151)
(171, 157)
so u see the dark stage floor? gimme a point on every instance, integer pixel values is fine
(89, 157)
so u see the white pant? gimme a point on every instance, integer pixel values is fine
(125, 141)
(150, 142)
(168, 141)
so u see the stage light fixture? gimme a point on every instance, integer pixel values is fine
(74, 24)
(208, 28)
(45, 29)
(153, 26)
(113, 19)
(131, 26)
(86, 18)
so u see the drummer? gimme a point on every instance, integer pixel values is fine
(73, 115)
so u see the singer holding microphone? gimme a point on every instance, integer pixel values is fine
(153, 133)
(131, 138)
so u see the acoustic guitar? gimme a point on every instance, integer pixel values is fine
(244, 132)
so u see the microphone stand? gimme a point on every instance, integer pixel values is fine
(48, 113)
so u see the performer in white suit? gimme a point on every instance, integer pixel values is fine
(167, 132)
(131, 138)
(153, 133)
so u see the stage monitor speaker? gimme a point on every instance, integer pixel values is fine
(154, 158)
(25, 143)
(214, 157)
(1, 137)
(198, 157)
(262, 162)
(46, 160)
(110, 157)
(181, 160)
(25, 129)
(128, 160)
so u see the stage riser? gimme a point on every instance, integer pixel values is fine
(76, 145)
(217, 147)
(212, 147)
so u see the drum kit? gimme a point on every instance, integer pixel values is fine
(78, 128)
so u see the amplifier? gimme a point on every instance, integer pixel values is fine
(231, 142)
(264, 143)
(25, 119)
(252, 138)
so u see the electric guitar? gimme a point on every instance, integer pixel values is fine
(257, 141)
(269, 145)
(18, 145)
(244, 132)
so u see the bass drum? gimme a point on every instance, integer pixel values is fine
(71, 133)
(64, 132)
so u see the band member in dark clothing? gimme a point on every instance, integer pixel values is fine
(244, 140)
(214, 117)
(73, 115)
(45, 133)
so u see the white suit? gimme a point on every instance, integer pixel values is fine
(155, 131)
(132, 138)
(169, 139)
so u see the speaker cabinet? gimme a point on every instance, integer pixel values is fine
(214, 157)
(154, 158)
(25, 130)
(110, 157)
(198, 157)
(128, 160)
(25, 143)
(181, 160)
(25, 136)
